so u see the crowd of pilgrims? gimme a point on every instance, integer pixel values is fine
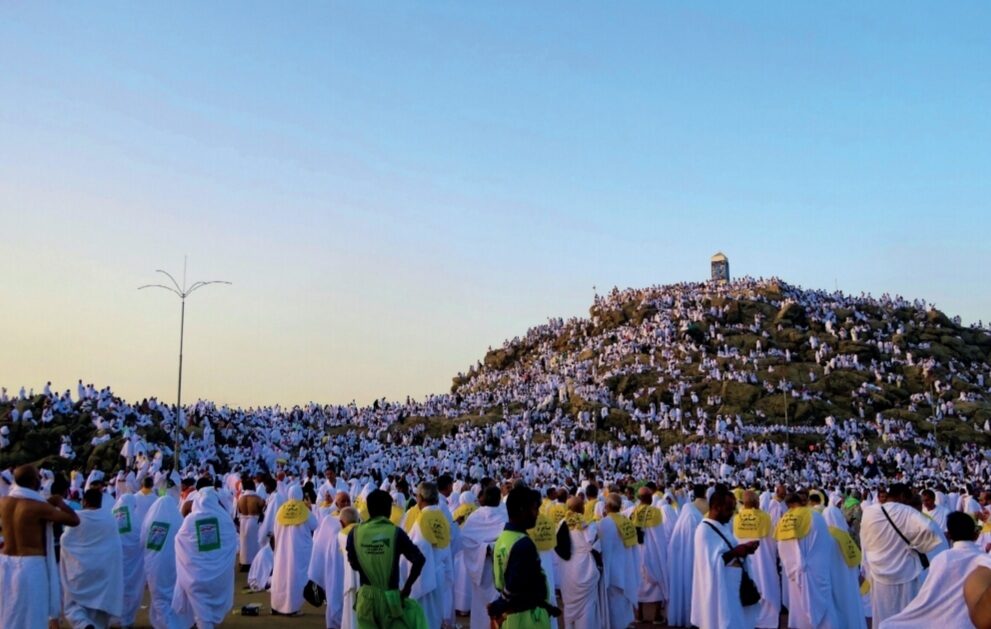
(518, 422)
(604, 552)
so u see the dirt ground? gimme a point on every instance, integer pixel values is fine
(312, 618)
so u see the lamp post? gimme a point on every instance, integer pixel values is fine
(181, 292)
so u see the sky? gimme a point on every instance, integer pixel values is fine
(394, 187)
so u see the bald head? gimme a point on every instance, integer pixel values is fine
(576, 504)
(614, 502)
(27, 476)
(750, 500)
(349, 515)
(645, 495)
(342, 500)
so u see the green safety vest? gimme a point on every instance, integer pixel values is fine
(376, 606)
(537, 618)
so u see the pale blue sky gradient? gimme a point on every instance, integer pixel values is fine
(393, 187)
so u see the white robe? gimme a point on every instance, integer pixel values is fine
(653, 564)
(893, 568)
(478, 536)
(620, 574)
(940, 603)
(206, 548)
(351, 583)
(582, 589)
(806, 566)
(716, 585)
(129, 527)
(327, 568)
(161, 524)
(447, 561)
(293, 546)
(763, 569)
(260, 573)
(248, 535)
(272, 504)
(846, 592)
(92, 570)
(428, 589)
(38, 575)
(681, 555)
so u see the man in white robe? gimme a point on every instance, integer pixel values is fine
(681, 554)
(294, 526)
(206, 547)
(432, 536)
(753, 524)
(91, 566)
(327, 568)
(478, 536)
(250, 508)
(776, 506)
(273, 500)
(350, 578)
(621, 562)
(892, 563)
(649, 521)
(807, 550)
(161, 524)
(27, 560)
(845, 576)
(445, 486)
(260, 573)
(719, 562)
(129, 529)
(582, 591)
(939, 602)
(145, 497)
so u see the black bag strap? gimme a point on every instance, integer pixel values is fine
(719, 533)
(897, 530)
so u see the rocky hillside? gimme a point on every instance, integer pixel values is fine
(663, 359)
(760, 350)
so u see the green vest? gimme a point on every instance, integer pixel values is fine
(376, 606)
(532, 618)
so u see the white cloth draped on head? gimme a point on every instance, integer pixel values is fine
(158, 534)
(129, 528)
(260, 573)
(205, 549)
(327, 568)
(834, 517)
(293, 546)
(681, 557)
(620, 574)
(91, 564)
(478, 535)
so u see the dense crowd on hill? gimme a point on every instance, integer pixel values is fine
(682, 391)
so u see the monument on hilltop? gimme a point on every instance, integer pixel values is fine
(720, 267)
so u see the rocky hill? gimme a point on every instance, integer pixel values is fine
(663, 359)
(762, 350)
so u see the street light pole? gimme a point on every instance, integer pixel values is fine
(182, 292)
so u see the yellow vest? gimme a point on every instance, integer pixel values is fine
(435, 528)
(794, 524)
(292, 513)
(751, 524)
(627, 531)
(646, 516)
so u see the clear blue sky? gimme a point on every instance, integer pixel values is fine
(394, 187)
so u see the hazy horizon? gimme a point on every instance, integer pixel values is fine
(392, 188)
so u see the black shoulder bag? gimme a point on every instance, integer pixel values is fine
(749, 594)
(923, 559)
